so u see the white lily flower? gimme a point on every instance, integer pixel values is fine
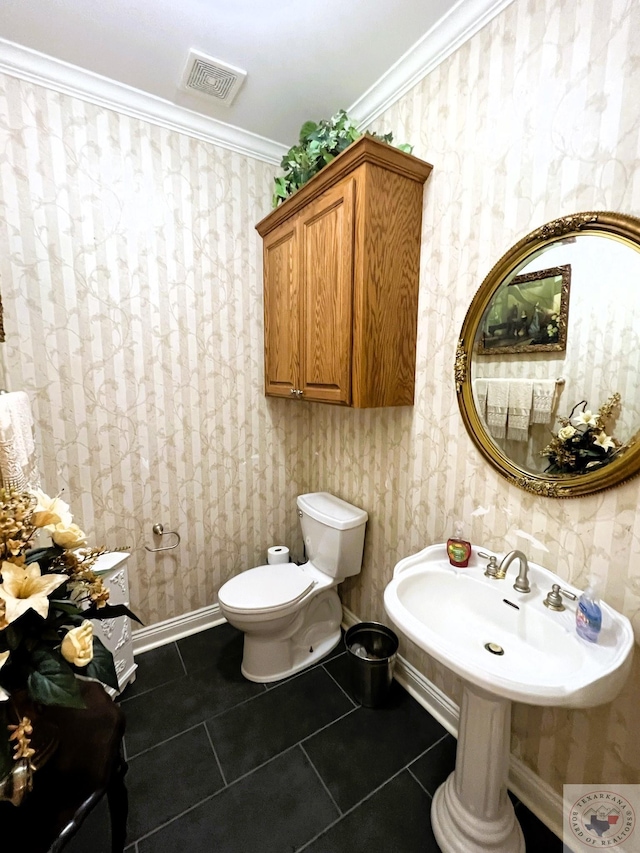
(604, 441)
(587, 418)
(50, 511)
(25, 588)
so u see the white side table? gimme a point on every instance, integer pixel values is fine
(115, 634)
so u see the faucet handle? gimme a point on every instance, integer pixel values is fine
(492, 568)
(554, 597)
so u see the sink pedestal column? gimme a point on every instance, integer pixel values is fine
(471, 810)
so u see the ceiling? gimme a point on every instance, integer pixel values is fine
(304, 60)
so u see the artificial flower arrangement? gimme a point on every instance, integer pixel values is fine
(48, 594)
(582, 443)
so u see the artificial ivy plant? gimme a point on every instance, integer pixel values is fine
(319, 144)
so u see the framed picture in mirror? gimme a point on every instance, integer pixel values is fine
(528, 313)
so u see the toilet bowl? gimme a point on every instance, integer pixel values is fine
(291, 614)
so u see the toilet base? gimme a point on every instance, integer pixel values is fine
(314, 632)
(314, 654)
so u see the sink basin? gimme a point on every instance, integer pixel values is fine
(505, 645)
(452, 613)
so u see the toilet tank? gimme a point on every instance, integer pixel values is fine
(333, 532)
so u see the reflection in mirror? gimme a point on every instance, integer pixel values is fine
(523, 395)
(548, 387)
(528, 314)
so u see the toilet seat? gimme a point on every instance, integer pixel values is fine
(265, 589)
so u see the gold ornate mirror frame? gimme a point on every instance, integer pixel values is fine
(617, 226)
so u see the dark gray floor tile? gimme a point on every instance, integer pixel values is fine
(536, 835)
(432, 768)
(155, 667)
(362, 750)
(247, 736)
(219, 646)
(277, 808)
(165, 781)
(339, 669)
(181, 704)
(394, 819)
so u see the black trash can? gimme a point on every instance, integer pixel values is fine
(371, 650)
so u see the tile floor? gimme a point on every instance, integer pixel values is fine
(217, 763)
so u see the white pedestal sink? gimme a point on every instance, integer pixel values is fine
(506, 645)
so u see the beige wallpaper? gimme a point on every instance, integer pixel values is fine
(130, 275)
(536, 117)
(131, 279)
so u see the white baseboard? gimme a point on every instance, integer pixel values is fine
(152, 636)
(536, 794)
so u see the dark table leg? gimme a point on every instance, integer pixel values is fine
(118, 800)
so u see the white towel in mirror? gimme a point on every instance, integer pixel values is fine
(520, 402)
(544, 393)
(497, 406)
(480, 391)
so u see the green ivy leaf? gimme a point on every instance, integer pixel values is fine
(52, 681)
(307, 129)
(102, 667)
(318, 144)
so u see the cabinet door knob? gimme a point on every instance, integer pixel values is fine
(296, 392)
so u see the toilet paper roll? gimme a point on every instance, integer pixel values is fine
(277, 554)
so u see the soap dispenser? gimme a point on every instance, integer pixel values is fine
(458, 549)
(589, 614)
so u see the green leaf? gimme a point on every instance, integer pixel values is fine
(13, 635)
(110, 611)
(307, 129)
(65, 606)
(102, 667)
(43, 556)
(404, 146)
(318, 144)
(52, 681)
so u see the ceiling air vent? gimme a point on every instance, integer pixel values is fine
(211, 77)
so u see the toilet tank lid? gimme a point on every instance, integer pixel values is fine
(332, 511)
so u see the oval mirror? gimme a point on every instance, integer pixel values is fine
(548, 360)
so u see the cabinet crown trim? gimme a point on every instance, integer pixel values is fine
(367, 149)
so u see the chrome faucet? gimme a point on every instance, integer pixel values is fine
(522, 581)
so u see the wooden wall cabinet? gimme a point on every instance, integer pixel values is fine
(341, 276)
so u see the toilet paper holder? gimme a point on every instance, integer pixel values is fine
(159, 530)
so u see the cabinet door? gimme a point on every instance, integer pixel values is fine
(281, 311)
(326, 258)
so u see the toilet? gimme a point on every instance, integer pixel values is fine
(291, 614)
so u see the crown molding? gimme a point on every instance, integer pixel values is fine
(460, 24)
(26, 64)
